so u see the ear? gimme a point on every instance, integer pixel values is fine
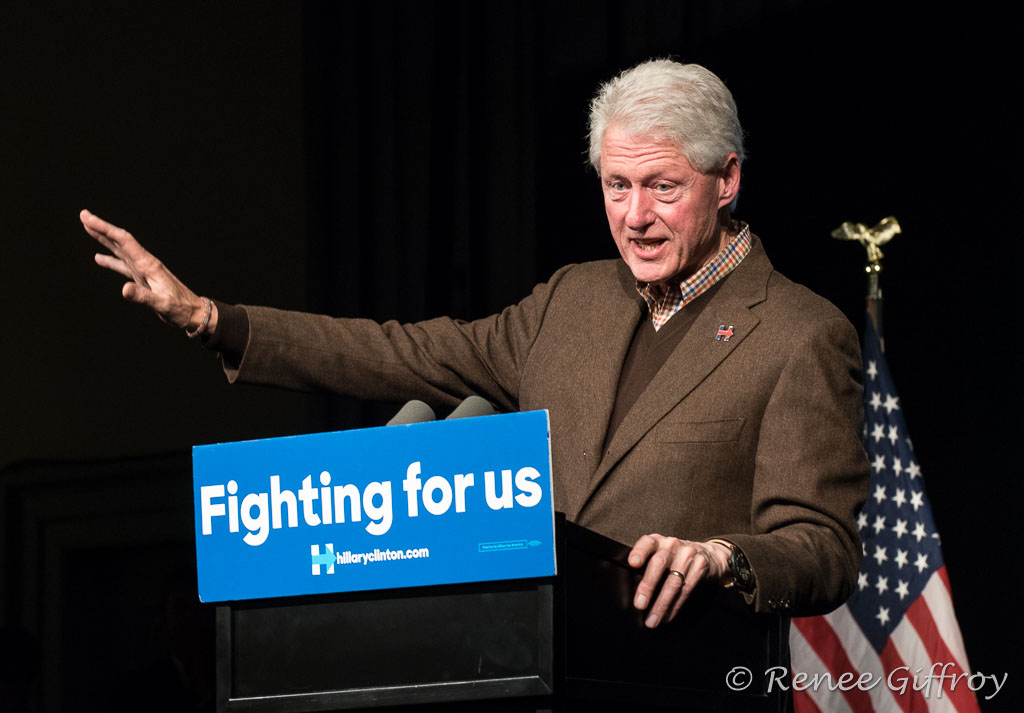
(729, 181)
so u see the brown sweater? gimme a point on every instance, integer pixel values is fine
(647, 354)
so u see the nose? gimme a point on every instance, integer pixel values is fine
(639, 215)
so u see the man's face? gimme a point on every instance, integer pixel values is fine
(663, 213)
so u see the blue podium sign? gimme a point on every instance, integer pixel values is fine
(467, 500)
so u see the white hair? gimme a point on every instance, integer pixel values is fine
(683, 103)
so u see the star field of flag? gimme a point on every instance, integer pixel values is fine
(901, 546)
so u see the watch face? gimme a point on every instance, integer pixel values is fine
(740, 569)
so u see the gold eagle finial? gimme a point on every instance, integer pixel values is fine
(870, 238)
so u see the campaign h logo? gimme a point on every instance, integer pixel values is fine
(327, 558)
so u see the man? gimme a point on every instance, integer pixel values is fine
(692, 390)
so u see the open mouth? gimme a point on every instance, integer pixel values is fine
(648, 245)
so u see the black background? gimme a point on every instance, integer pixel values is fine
(403, 160)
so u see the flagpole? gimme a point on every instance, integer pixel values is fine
(871, 239)
(874, 299)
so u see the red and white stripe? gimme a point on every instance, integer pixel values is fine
(834, 644)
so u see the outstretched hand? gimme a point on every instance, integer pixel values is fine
(674, 567)
(150, 282)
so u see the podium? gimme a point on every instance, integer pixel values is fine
(567, 643)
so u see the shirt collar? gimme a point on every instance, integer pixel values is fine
(664, 303)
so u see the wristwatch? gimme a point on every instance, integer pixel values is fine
(742, 576)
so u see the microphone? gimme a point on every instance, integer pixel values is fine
(472, 406)
(413, 412)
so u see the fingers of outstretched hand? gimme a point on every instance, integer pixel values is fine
(118, 240)
(129, 257)
(94, 223)
(112, 263)
(102, 230)
(103, 240)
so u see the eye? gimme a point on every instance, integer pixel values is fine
(617, 185)
(663, 190)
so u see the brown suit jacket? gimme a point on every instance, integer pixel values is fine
(755, 440)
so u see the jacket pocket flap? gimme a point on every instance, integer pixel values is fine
(698, 431)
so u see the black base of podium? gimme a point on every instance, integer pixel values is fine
(568, 643)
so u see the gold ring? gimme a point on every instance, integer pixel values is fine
(679, 574)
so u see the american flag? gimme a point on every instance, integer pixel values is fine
(898, 632)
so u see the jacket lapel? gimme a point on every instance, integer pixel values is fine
(601, 344)
(696, 356)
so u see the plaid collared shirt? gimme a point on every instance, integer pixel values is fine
(663, 304)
